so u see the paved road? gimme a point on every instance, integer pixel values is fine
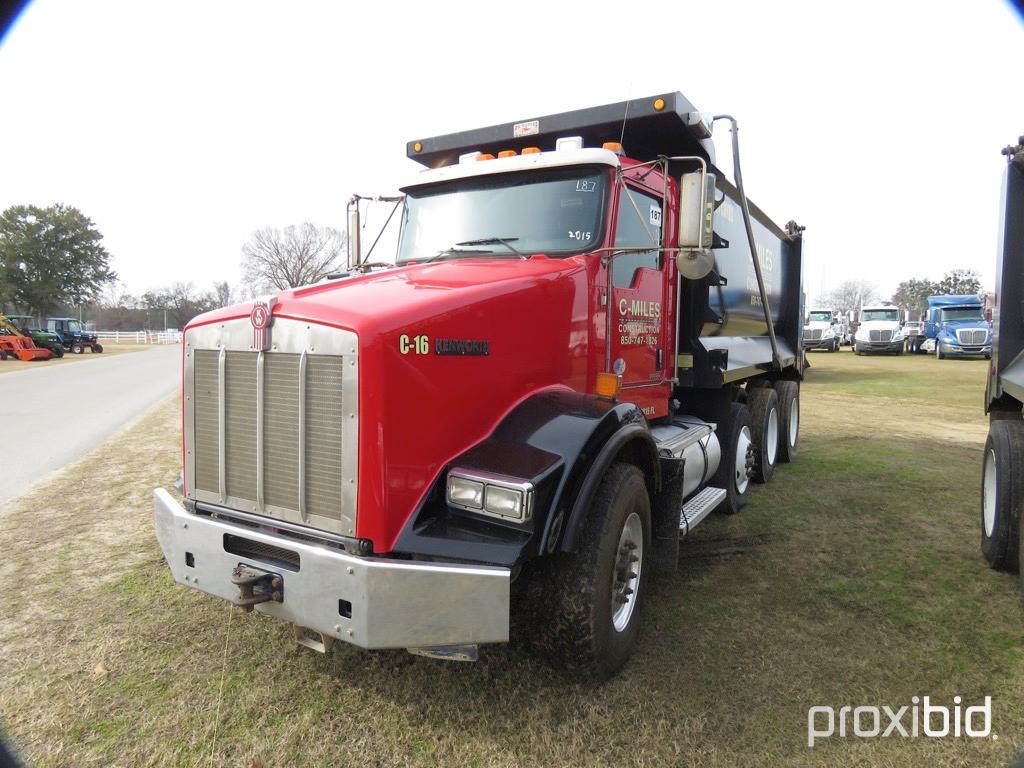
(51, 416)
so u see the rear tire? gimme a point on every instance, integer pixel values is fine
(586, 605)
(765, 428)
(1002, 492)
(737, 441)
(3, 355)
(789, 419)
(97, 349)
(58, 351)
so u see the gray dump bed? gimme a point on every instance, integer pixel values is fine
(1005, 389)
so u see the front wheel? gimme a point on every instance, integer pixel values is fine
(938, 351)
(588, 602)
(77, 349)
(58, 351)
(1002, 491)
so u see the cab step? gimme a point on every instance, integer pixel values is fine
(700, 506)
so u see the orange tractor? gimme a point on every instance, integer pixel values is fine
(14, 343)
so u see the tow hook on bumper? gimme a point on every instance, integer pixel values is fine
(256, 587)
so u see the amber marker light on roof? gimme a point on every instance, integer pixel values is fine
(531, 150)
(484, 156)
(417, 147)
(507, 153)
(612, 146)
(608, 385)
(659, 104)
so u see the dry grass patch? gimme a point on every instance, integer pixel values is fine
(854, 578)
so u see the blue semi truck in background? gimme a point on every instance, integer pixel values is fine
(955, 326)
(1002, 491)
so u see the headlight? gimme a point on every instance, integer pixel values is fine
(490, 494)
(898, 333)
(828, 334)
(862, 335)
(463, 492)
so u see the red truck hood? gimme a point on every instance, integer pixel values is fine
(419, 409)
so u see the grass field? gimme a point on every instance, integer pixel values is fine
(854, 578)
(109, 350)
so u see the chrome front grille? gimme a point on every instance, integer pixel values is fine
(972, 336)
(274, 432)
(880, 336)
(813, 334)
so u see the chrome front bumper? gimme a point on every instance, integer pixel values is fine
(391, 603)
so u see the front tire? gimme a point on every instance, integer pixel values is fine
(588, 602)
(938, 351)
(77, 349)
(58, 351)
(1002, 491)
(765, 428)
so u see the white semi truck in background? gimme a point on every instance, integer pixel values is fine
(823, 330)
(880, 330)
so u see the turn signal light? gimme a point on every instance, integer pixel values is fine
(608, 385)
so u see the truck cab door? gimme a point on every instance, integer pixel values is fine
(639, 338)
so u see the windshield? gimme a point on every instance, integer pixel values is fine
(962, 313)
(556, 211)
(820, 317)
(892, 315)
(74, 327)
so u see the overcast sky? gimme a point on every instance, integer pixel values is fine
(180, 128)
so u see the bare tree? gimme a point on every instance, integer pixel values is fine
(851, 295)
(276, 259)
(223, 293)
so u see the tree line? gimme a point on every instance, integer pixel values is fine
(910, 295)
(53, 262)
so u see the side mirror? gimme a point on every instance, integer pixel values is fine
(696, 224)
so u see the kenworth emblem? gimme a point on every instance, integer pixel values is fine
(260, 317)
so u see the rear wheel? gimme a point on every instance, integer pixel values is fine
(58, 350)
(737, 441)
(588, 603)
(97, 348)
(1002, 492)
(764, 420)
(3, 355)
(789, 419)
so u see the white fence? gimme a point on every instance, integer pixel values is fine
(139, 337)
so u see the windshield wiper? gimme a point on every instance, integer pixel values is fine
(495, 241)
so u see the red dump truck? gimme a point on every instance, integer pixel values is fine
(590, 340)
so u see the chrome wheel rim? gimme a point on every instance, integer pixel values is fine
(629, 560)
(988, 498)
(743, 446)
(794, 421)
(773, 435)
